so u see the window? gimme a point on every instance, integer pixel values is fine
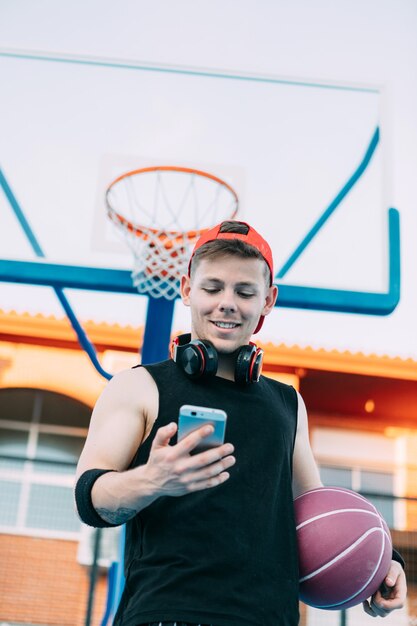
(41, 438)
(368, 483)
(379, 483)
(362, 461)
(336, 476)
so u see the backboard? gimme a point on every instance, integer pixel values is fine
(307, 160)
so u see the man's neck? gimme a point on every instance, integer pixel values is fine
(226, 366)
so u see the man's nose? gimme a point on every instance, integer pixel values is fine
(227, 302)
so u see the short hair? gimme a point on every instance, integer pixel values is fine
(233, 247)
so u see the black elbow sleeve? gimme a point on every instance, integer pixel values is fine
(83, 500)
(396, 556)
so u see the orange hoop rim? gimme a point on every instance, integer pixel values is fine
(166, 236)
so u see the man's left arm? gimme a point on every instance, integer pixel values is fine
(306, 476)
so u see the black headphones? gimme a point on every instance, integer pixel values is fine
(199, 359)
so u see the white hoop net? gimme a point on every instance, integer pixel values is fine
(161, 212)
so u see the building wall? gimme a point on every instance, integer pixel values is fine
(42, 583)
(57, 369)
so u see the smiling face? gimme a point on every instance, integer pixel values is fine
(227, 295)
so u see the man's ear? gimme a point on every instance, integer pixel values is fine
(185, 289)
(270, 299)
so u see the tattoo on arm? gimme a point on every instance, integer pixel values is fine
(120, 516)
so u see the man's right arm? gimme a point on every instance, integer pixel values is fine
(120, 421)
(117, 428)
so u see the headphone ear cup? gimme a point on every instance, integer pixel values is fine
(243, 364)
(256, 366)
(198, 359)
(210, 359)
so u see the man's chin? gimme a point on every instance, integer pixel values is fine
(225, 348)
(227, 352)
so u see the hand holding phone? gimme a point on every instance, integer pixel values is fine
(192, 417)
(175, 469)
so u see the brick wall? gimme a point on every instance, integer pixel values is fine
(42, 583)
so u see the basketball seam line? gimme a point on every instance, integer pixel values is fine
(326, 513)
(341, 554)
(325, 606)
(339, 490)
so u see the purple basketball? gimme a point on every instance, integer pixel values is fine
(344, 548)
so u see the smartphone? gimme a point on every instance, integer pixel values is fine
(192, 417)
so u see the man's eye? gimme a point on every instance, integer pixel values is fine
(210, 289)
(246, 294)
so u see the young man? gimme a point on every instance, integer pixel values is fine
(210, 536)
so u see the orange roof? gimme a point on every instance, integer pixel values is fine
(25, 327)
(50, 329)
(341, 361)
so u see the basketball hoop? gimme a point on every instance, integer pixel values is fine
(161, 211)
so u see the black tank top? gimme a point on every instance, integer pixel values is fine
(227, 555)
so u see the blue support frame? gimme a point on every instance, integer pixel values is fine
(335, 203)
(291, 296)
(64, 276)
(159, 311)
(37, 249)
(344, 301)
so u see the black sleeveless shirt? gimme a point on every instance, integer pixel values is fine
(227, 555)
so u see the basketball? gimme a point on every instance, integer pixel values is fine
(344, 548)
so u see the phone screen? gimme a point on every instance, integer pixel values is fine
(192, 417)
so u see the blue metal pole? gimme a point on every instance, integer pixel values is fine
(36, 247)
(155, 348)
(333, 205)
(157, 330)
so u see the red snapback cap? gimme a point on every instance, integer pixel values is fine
(252, 237)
